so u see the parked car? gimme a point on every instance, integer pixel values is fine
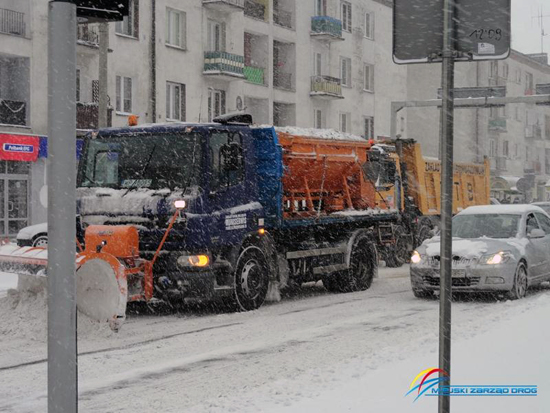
(496, 248)
(543, 205)
(33, 236)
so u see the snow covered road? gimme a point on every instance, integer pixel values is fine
(270, 359)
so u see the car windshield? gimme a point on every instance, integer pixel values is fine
(486, 225)
(143, 161)
(545, 207)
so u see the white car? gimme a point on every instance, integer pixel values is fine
(496, 248)
(33, 236)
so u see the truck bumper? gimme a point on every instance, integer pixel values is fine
(199, 285)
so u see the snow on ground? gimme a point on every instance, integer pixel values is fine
(7, 281)
(314, 351)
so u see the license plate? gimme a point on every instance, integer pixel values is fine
(454, 273)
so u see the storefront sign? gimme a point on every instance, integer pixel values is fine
(19, 147)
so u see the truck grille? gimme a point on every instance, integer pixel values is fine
(456, 282)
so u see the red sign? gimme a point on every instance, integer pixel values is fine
(19, 147)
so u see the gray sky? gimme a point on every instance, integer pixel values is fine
(526, 30)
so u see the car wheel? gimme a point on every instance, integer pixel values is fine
(519, 290)
(40, 240)
(423, 293)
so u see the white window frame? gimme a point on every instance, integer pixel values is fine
(344, 122)
(129, 26)
(179, 18)
(124, 94)
(506, 149)
(345, 71)
(368, 77)
(320, 7)
(212, 93)
(318, 119)
(317, 64)
(368, 127)
(369, 25)
(493, 148)
(173, 112)
(346, 16)
(215, 39)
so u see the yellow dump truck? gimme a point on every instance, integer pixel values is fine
(411, 183)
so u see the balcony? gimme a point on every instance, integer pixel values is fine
(228, 6)
(533, 132)
(256, 9)
(13, 112)
(497, 124)
(88, 35)
(254, 75)
(326, 28)
(326, 87)
(224, 65)
(283, 18)
(87, 116)
(12, 22)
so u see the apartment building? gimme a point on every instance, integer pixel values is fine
(310, 63)
(516, 137)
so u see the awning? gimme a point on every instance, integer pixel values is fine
(19, 147)
(511, 184)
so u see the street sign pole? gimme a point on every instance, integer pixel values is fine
(62, 351)
(447, 118)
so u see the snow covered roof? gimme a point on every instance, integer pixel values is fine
(501, 209)
(330, 134)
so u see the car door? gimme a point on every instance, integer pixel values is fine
(536, 249)
(544, 222)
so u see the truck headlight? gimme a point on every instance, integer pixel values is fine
(416, 257)
(495, 259)
(194, 261)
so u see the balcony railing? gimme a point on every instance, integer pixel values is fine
(87, 116)
(225, 5)
(254, 75)
(326, 86)
(88, 34)
(12, 22)
(283, 18)
(13, 112)
(327, 28)
(282, 80)
(255, 10)
(223, 64)
(497, 124)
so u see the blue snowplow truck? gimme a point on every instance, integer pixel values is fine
(236, 240)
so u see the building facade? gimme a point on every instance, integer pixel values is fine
(314, 63)
(516, 138)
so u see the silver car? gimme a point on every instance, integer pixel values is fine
(496, 248)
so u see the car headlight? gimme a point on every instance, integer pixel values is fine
(416, 257)
(495, 259)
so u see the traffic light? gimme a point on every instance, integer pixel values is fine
(102, 10)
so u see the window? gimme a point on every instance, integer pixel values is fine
(531, 223)
(317, 64)
(216, 103)
(176, 28)
(130, 24)
(368, 128)
(492, 148)
(216, 36)
(78, 85)
(493, 69)
(529, 83)
(124, 94)
(320, 7)
(227, 162)
(345, 71)
(544, 222)
(505, 70)
(518, 76)
(346, 16)
(368, 74)
(345, 122)
(95, 91)
(505, 150)
(318, 119)
(175, 101)
(369, 25)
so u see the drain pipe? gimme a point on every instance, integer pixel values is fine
(154, 61)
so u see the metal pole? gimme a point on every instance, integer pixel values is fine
(447, 118)
(62, 358)
(103, 74)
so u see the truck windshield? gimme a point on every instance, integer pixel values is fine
(486, 225)
(143, 161)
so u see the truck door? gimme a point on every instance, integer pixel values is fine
(227, 187)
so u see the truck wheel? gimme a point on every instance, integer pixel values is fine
(363, 264)
(251, 279)
(398, 254)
